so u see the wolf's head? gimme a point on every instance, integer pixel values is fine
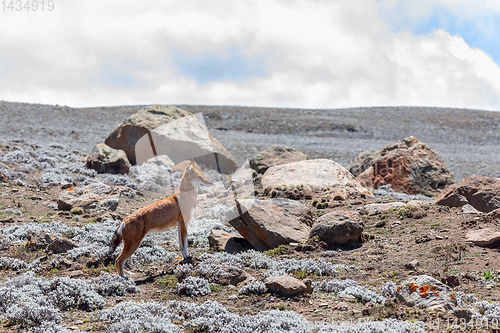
(193, 175)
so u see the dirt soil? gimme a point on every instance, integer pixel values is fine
(434, 236)
(467, 140)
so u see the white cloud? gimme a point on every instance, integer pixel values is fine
(273, 53)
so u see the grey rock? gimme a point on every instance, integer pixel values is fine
(338, 227)
(317, 175)
(105, 159)
(412, 264)
(469, 209)
(161, 160)
(275, 155)
(41, 240)
(231, 276)
(61, 245)
(463, 312)
(377, 208)
(96, 196)
(425, 291)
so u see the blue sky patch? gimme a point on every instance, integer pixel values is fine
(122, 73)
(227, 64)
(482, 32)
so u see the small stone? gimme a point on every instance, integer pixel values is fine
(230, 275)
(464, 313)
(469, 209)
(66, 185)
(412, 264)
(439, 237)
(347, 298)
(223, 241)
(286, 285)
(451, 280)
(367, 309)
(341, 306)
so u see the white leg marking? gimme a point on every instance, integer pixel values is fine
(120, 232)
(123, 268)
(185, 249)
(180, 237)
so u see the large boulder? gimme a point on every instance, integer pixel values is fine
(126, 135)
(267, 224)
(97, 196)
(338, 227)
(105, 159)
(168, 130)
(424, 291)
(410, 167)
(275, 155)
(317, 175)
(480, 192)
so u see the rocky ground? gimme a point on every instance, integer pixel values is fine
(467, 140)
(397, 244)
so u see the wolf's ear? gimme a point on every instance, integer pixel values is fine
(190, 168)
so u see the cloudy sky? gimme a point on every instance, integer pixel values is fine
(313, 54)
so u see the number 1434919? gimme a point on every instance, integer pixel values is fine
(27, 5)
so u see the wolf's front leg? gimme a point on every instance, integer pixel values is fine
(183, 244)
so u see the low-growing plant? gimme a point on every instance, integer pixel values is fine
(194, 286)
(254, 287)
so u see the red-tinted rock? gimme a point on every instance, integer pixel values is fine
(409, 166)
(482, 193)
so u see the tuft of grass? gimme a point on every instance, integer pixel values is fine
(277, 251)
(169, 281)
(215, 287)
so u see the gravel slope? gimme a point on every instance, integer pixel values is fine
(468, 140)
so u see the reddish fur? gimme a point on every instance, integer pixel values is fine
(158, 216)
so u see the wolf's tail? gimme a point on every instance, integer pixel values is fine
(116, 240)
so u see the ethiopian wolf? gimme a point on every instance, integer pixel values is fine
(176, 209)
